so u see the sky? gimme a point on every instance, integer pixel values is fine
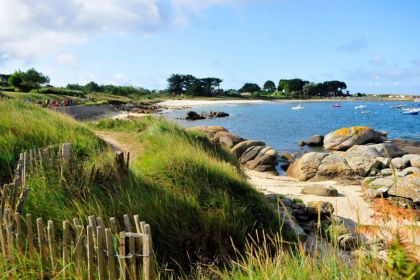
(374, 46)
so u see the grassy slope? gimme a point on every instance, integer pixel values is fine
(190, 191)
(23, 127)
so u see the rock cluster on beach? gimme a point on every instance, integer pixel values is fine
(252, 154)
(193, 116)
(355, 153)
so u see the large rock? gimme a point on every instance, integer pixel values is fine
(362, 159)
(193, 116)
(408, 171)
(381, 183)
(210, 130)
(415, 162)
(307, 166)
(388, 150)
(241, 147)
(266, 157)
(316, 140)
(250, 153)
(320, 190)
(227, 139)
(408, 187)
(398, 163)
(344, 138)
(407, 159)
(333, 166)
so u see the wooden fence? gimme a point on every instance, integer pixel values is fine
(100, 249)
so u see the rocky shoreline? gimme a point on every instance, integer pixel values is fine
(357, 163)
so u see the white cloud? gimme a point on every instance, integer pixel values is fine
(35, 29)
(68, 59)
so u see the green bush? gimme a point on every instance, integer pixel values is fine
(58, 91)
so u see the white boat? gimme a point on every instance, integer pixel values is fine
(360, 107)
(413, 111)
(298, 107)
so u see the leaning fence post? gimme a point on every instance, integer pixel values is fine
(127, 223)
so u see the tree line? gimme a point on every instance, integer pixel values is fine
(185, 84)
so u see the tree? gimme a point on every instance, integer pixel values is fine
(28, 80)
(269, 86)
(250, 87)
(190, 85)
(175, 84)
(92, 87)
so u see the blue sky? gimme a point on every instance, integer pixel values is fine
(371, 45)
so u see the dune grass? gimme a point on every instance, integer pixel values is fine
(22, 126)
(191, 192)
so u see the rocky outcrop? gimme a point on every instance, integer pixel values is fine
(226, 139)
(407, 187)
(307, 166)
(252, 154)
(193, 116)
(241, 147)
(415, 162)
(210, 130)
(344, 138)
(265, 161)
(316, 140)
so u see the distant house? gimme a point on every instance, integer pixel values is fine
(246, 94)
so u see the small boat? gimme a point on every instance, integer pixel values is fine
(397, 106)
(411, 111)
(365, 112)
(336, 106)
(360, 107)
(298, 107)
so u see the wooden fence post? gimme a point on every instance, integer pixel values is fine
(100, 252)
(112, 272)
(90, 251)
(78, 251)
(122, 256)
(146, 252)
(30, 235)
(51, 245)
(66, 246)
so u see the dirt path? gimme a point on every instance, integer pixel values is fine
(122, 142)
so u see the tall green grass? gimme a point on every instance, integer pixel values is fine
(22, 126)
(191, 192)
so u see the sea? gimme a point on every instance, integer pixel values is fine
(282, 128)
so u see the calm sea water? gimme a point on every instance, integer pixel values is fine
(281, 127)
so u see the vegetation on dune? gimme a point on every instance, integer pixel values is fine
(190, 191)
(23, 126)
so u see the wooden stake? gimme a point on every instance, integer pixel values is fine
(66, 246)
(51, 245)
(127, 223)
(132, 247)
(30, 235)
(122, 256)
(90, 251)
(100, 252)
(111, 255)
